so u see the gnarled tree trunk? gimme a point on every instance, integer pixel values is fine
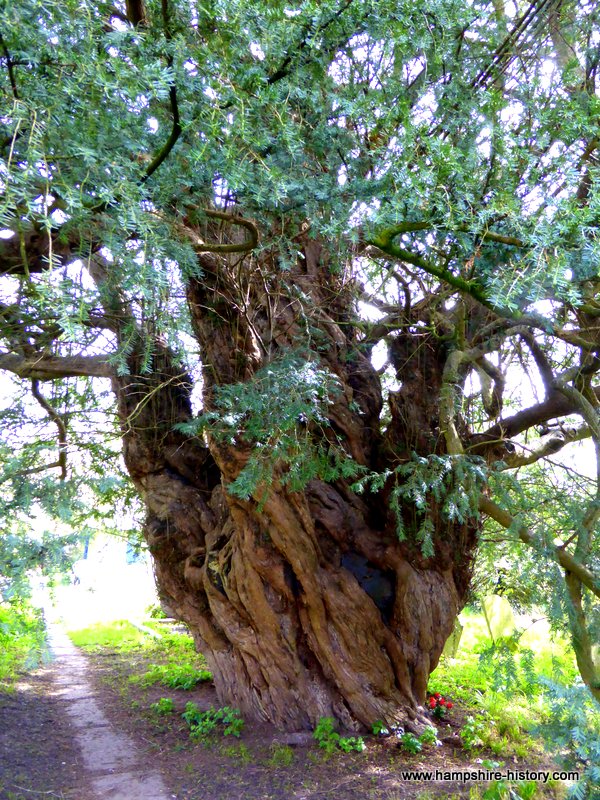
(306, 605)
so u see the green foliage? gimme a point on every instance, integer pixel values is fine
(163, 706)
(411, 743)
(155, 611)
(281, 756)
(472, 732)
(510, 790)
(118, 635)
(282, 415)
(330, 740)
(379, 728)
(509, 668)
(22, 640)
(182, 667)
(203, 723)
(175, 676)
(572, 731)
(452, 483)
(24, 550)
(429, 736)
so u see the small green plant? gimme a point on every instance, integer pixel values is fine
(203, 723)
(281, 755)
(163, 706)
(175, 676)
(329, 739)
(429, 736)
(239, 752)
(380, 728)
(472, 732)
(509, 790)
(410, 743)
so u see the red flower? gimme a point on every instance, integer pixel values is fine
(437, 695)
(442, 702)
(449, 704)
(432, 702)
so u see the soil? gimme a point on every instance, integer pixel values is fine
(39, 758)
(37, 751)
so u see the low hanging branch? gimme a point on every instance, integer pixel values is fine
(58, 420)
(565, 559)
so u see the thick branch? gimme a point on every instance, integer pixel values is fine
(546, 447)
(554, 406)
(384, 242)
(136, 13)
(45, 368)
(40, 246)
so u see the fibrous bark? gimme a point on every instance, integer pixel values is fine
(305, 604)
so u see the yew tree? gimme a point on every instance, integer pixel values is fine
(338, 260)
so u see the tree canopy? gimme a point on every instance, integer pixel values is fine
(339, 263)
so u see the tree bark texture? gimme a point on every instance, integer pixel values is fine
(307, 604)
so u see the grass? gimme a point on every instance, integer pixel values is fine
(22, 641)
(505, 715)
(119, 635)
(181, 666)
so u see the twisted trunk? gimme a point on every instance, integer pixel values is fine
(308, 605)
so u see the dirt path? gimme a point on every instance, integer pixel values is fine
(84, 728)
(110, 759)
(63, 745)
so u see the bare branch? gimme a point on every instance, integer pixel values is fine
(554, 406)
(58, 420)
(546, 447)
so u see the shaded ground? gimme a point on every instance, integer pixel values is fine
(264, 764)
(38, 757)
(37, 752)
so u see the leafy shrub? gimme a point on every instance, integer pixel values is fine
(429, 736)
(22, 640)
(163, 706)
(410, 743)
(329, 740)
(203, 723)
(175, 676)
(572, 730)
(472, 732)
